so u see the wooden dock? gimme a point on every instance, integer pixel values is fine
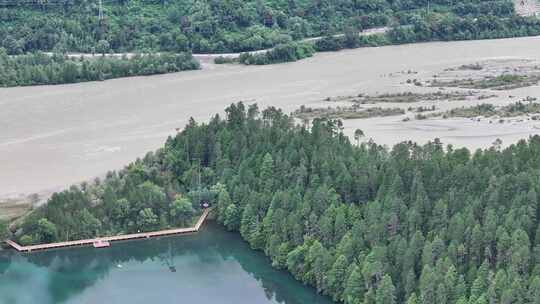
(125, 237)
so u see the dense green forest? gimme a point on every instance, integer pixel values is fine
(39, 68)
(361, 223)
(437, 28)
(419, 30)
(288, 52)
(204, 26)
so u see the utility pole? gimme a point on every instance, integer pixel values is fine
(100, 10)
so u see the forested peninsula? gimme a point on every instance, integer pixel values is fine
(360, 222)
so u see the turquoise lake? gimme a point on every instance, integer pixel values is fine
(213, 266)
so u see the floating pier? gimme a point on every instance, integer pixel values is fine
(101, 244)
(105, 241)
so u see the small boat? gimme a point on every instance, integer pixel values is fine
(101, 244)
(119, 266)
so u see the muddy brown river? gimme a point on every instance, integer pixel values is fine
(53, 136)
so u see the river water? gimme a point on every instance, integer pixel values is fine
(211, 267)
(53, 136)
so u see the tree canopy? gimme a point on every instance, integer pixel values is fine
(40, 69)
(204, 26)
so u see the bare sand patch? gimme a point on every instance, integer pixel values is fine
(500, 74)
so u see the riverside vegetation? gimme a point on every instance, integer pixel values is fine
(488, 110)
(402, 97)
(500, 82)
(363, 224)
(205, 26)
(346, 112)
(39, 68)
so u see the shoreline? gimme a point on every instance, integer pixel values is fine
(206, 61)
(123, 237)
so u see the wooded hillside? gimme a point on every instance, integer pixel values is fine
(203, 26)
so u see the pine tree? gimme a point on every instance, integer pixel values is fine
(249, 226)
(441, 294)
(481, 300)
(520, 252)
(450, 282)
(477, 289)
(337, 277)
(318, 258)
(267, 173)
(340, 224)
(354, 287)
(4, 233)
(386, 292)
(296, 262)
(346, 247)
(232, 218)
(427, 285)
(410, 283)
(223, 202)
(533, 295)
(412, 299)
(280, 260)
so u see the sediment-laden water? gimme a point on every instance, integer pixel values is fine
(54, 136)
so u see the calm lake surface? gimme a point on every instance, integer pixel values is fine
(211, 267)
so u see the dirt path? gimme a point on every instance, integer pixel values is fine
(210, 57)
